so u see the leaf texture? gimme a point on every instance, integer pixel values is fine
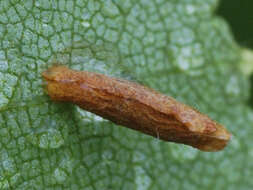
(178, 47)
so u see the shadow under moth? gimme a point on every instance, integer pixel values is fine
(135, 106)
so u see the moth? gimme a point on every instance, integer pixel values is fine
(135, 106)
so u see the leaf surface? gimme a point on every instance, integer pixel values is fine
(178, 47)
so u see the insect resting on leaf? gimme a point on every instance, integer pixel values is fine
(137, 107)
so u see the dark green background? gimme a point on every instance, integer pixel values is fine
(239, 15)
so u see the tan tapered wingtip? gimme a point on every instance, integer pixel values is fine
(216, 141)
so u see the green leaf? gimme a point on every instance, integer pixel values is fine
(178, 47)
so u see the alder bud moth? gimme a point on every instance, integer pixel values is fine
(137, 107)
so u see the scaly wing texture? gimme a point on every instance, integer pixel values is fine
(178, 47)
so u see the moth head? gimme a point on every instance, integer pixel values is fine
(56, 73)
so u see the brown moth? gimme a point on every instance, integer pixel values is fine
(137, 107)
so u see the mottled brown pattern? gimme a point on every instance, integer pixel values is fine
(137, 107)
